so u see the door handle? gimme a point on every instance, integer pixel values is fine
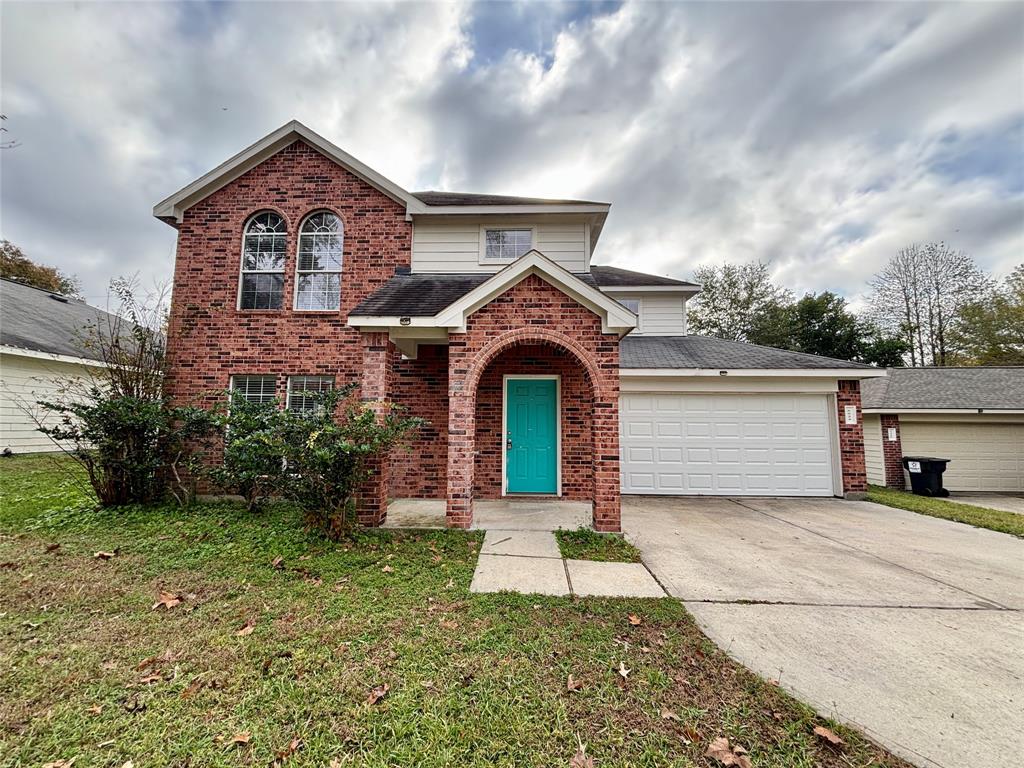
(508, 444)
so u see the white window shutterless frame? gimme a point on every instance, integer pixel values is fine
(319, 263)
(264, 252)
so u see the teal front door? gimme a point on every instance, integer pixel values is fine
(531, 435)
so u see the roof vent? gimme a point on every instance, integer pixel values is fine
(58, 297)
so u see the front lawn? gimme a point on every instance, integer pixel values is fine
(982, 517)
(587, 544)
(268, 645)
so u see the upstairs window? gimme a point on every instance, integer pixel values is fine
(318, 271)
(302, 392)
(633, 305)
(506, 244)
(255, 389)
(263, 257)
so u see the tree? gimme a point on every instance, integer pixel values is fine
(15, 265)
(823, 325)
(732, 299)
(991, 332)
(920, 296)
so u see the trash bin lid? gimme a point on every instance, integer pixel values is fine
(925, 458)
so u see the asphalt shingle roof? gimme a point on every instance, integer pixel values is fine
(41, 321)
(706, 352)
(989, 388)
(472, 198)
(608, 277)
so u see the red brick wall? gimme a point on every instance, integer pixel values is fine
(851, 440)
(576, 407)
(209, 339)
(892, 452)
(530, 313)
(421, 386)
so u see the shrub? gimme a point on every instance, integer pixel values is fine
(327, 452)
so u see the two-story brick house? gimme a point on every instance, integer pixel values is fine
(541, 374)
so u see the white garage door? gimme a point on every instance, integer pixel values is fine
(985, 456)
(754, 445)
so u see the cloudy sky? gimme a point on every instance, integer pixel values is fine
(817, 136)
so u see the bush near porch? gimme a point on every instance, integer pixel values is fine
(288, 649)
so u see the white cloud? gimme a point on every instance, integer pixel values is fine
(807, 134)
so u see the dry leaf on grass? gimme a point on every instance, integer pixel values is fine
(635, 620)
(668, 714)
(105, 555)
(128, 764)
(580, 759)
(277, 562)
(60, 763)
(690, 734)
(378, 693)
(720, 750)
(291, 749)
(154, 678)
(246, 629)
(623, 672)
(572, 684)
(241, 738)
(192, 688)
(828, 736)
(387, 569)
(167, 600)
(95, 709)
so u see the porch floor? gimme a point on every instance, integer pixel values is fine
(511, 514)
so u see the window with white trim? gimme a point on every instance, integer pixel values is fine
(255, 389)
(318, 268)
(263, 257)
(633, 305)
(507, 244)
(303, 391)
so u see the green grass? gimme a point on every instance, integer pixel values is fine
(981, 517)
(585, 544)
(89, 670)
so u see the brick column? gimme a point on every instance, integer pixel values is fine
(851, 441)
(461, 438)
(892, 452)
(607, 498)
(378, 370)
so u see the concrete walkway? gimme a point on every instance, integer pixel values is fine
(530, 562)
(992, 501)
(909, 627)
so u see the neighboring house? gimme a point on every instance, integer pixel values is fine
(972, 416)
(43, 345)
(541, 374)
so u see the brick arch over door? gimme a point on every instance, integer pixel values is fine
(533, 312)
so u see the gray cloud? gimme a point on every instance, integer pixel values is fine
(818, 136)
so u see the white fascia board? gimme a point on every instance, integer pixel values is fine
(615, 318)
(949, 411)
(505, 210)
(386, 323)
(768, 373)
(615, 289)
(175, 205)
(54, 358)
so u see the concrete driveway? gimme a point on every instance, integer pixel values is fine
(1004, 502)
(909, 627)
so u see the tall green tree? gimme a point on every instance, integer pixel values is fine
(15, 265)
(732, 299)
(991, 332)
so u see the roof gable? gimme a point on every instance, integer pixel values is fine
(172, 208)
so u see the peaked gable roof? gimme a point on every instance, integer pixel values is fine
(616, 277)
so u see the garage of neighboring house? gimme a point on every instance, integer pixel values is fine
(703, 416)
(972, 416)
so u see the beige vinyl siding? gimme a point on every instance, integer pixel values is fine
(456, 246)
(984, 455)
(23, 381)
(660, 315)
(873, 450)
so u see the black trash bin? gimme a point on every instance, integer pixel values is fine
(926, 474)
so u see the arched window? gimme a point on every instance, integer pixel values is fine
(318, 268)
(263, 257)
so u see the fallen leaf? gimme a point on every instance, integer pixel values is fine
(378, 693)
(154, 678)
(690, 735)
(60, 763)
(240, 738)
(827, 735)
(291, 749)
(623, 672)
(246, 629)
(573, 685)
(52, 547)
(105, 555)
(435, 559)
(192, 688)
(95, 709)
(635, 620)
(720, 751)
(668, 714)
(387, 569)
(450, 584)
(580, 759)
(128, 764)
(277, 562)
(167, 600)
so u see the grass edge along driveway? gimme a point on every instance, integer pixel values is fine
(980, 517)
